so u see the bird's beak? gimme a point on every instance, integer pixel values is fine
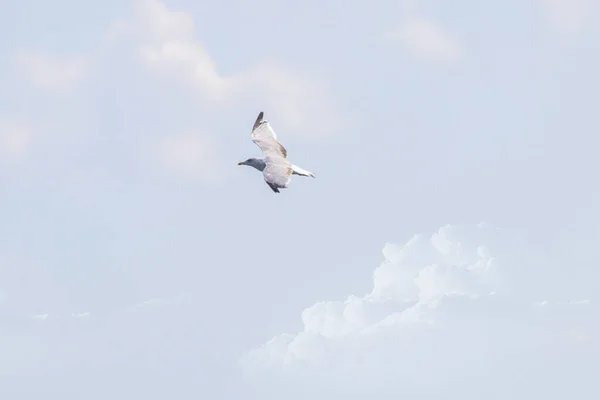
(240, 163)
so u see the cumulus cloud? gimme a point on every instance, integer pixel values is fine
(15, 137)
(440, 311)
(569, 17)
(50, 72)
(426, 39)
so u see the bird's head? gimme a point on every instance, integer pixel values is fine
(257, 163)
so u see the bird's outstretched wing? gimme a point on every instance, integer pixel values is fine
(264, 137)
(278, 169)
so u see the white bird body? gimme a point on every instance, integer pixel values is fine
(276, 168)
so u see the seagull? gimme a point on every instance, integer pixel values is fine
(276, 168)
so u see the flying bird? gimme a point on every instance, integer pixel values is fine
(275, 166)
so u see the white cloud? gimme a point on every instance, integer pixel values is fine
(167, 45)
(439, 311)
(15, 137)
(426, 39)
(50, 72)
(191, 155)
(569, 17)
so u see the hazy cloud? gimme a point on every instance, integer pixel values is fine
(54, 73)
(426, 39)
(192, 155)
(168, 46)
(569, 17)
(15, 137)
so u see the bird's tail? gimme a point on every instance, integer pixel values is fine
(299, 171)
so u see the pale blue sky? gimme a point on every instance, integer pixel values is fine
(121, 125)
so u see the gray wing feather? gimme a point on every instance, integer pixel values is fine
(278, 169)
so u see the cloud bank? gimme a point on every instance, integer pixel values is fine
(440, 319)
(441, 313)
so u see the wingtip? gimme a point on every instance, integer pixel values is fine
(258, 120)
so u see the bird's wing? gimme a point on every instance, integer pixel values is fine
(265, 138)
(278, 169)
